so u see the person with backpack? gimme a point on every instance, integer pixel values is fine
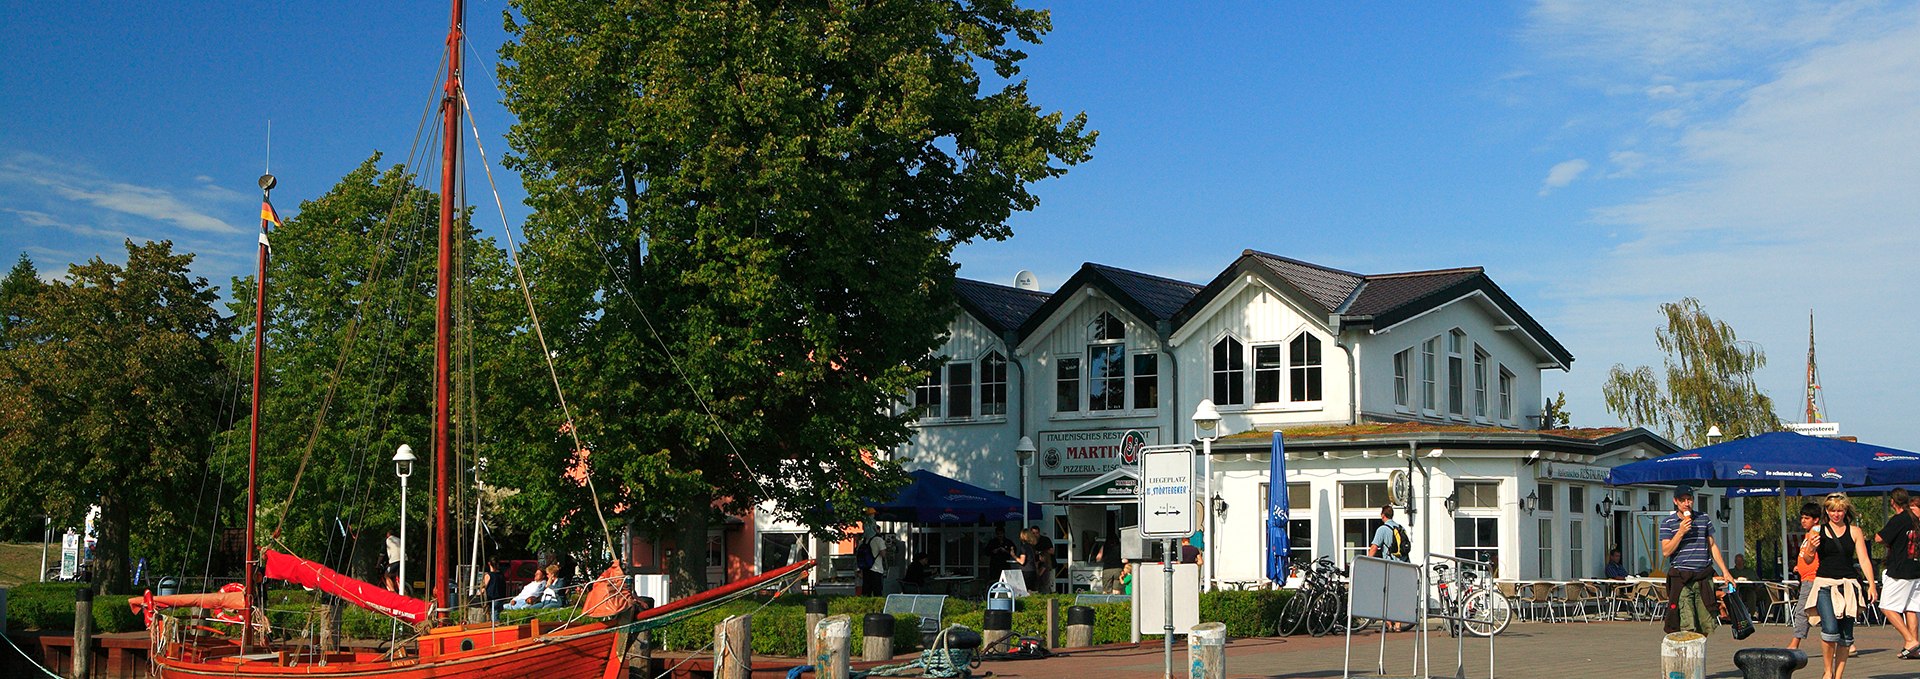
(1390, 539)
(870, 555)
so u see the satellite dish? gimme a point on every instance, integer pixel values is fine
(1025, 280)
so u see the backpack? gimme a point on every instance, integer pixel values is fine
(863, 553)
(1401, 548)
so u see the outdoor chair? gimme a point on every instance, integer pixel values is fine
(1572, 599)
(927, 606)
(1090, 599)
(1623, 597)
(1540, 597)
(1656, 597)
(1781, 597)
(1511, 592)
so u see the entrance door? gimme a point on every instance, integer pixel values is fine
(716, 557)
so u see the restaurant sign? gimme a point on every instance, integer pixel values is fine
(1092, 452)
(1567, 471)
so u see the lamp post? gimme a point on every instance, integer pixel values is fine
(1713, 434)
(1024, 450)
(1206, 427)
(403, 468)
(45, 537)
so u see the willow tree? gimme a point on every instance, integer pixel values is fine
(744, 217)
(1707, 382)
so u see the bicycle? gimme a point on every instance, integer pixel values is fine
(1468, 604)
(1319, 606)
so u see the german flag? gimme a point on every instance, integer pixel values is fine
(267, 215)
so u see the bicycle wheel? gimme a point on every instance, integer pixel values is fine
(1487, 612)
(1293, 615)
(1324, 613)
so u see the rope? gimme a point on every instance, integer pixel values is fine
(30, 660)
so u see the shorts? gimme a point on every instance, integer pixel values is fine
(1897, 596)
(393, 568)
(1800, 623)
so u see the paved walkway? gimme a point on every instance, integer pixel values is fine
(1525, 651)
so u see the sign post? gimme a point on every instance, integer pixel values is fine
(1166, 512)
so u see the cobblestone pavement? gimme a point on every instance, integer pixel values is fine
(1525, 651)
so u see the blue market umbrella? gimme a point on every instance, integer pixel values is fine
(935, 499)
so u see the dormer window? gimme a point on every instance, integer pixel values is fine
(1304, 368)
(1105, 371)
(1229, 372)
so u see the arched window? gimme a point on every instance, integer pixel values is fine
(1106, 328)
(993, 384)
(1229, 372)
(1304, 367)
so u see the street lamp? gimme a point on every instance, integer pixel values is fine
(403, 468)
(1024, 450)
(1713, 434)
(1606, 505)
(1206, 427)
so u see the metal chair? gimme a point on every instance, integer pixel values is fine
(1783, 597)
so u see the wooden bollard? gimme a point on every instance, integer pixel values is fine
(877, 632)
(326, 630)
(999, 626)
(1207, 651)
(816, 611)
(1079, 627)
(1052, 637)
(643, 642)
(733, 648)
(83, 632)
(834, 637)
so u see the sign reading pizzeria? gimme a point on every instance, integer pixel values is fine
(1092, 452)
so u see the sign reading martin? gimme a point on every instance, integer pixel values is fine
(1092, 452)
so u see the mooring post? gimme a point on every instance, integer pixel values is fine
(999, 625)
(83, 632)
(733, 648)
(834, 637)
(326, 631)
(877, 628)
(1052, 637)
(816, 610)
(1207, 651)
(1080, 627)
(1769, 663)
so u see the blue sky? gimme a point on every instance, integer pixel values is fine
(1597, 158)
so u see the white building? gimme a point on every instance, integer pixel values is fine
(1360, 371)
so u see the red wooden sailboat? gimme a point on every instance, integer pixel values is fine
(587, 647)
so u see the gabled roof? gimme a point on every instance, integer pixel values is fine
(1379, 300)
(1148, 297)
(1001, 308)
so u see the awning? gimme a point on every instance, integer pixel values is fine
(1119, 485)
(935, 499)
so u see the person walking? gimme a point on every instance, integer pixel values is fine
(1805, 566)
(1390, 539)
(1901, 535)
(394, 555)
(1686, 537)
(1841, 549)
(872, 561)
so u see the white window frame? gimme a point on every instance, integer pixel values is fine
(1480, 360)
(1128, 377)
(1061, 406)
(1545, 543)
(1234, 377)
(1506, 394)
(1346, 553)
(1279, 373)
(1456, 374)
(1318, 368)
(1430, 376)
(1403, 380)
(1135, 378)
(985, 387)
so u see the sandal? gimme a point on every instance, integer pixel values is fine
(1910, 653)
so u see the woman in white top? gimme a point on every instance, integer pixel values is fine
(529, 595)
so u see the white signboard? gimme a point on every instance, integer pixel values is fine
(1149, 597)
(1385, 589)
(1166, 491)
(1568, 471)
(1091, 452)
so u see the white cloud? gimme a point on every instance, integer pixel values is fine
(1626, 163)
(46, 177)
(42, 219)
(1563, 174)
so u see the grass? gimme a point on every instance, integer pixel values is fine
(20, 562)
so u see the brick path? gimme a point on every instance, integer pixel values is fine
(1525, 651)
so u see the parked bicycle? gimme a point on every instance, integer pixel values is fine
(1319, 606)
(1468, 604)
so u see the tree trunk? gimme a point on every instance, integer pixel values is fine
(689, 564)
(110, 569)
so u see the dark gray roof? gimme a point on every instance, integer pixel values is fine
(999, 307)
(1148, 297)
(1329, 287)
(1385, 292)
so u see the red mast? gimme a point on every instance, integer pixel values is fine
(443, 323)
(267, 182)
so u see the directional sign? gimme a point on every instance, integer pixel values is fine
(1166, 491)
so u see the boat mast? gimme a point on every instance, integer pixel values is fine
(267, 182)
(1813, 376)
(443, 322)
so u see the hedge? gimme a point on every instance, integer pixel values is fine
(779, 627)
(49, 606)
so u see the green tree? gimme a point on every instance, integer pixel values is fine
(109, 392)
(1555, 415)
(1707, 382)
(744, 216)
(16, 292)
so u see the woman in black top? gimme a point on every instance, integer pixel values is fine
(495, 589)
(1841, 549)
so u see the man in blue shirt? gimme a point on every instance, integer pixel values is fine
(1616, 570)
(1389, 540)
(1686, 537)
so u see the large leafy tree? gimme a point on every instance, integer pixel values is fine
(745, 213)
(1707, 381)
(109, 393)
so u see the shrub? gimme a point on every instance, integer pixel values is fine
(49, 606)
(779, 627)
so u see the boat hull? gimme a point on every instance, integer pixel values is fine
(582, 652)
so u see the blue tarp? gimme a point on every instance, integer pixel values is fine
(932, 498)
(1776, 459)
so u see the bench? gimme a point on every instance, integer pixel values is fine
(927, 606)
(1093, 599)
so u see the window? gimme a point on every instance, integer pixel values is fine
(1363, 495)
(1066, 396)
(1546, 548)
(1478, 494)
(993, 384)
(1146, 381)
(1229, 373)
(1355, 534)
(1479, 382)
(1427, 370)
(1478, 538)
(1402, 375)
(960, 390)
(1360, 504)
(1576, 549)
(1106, 328)
(1456, 374)
(926, 397)
(1577, 499)
(1299, 522)
(1107, 377)
(1266, 374)
(1305, 369)
(780, 549)
(1506, 393)
(1547, 493)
